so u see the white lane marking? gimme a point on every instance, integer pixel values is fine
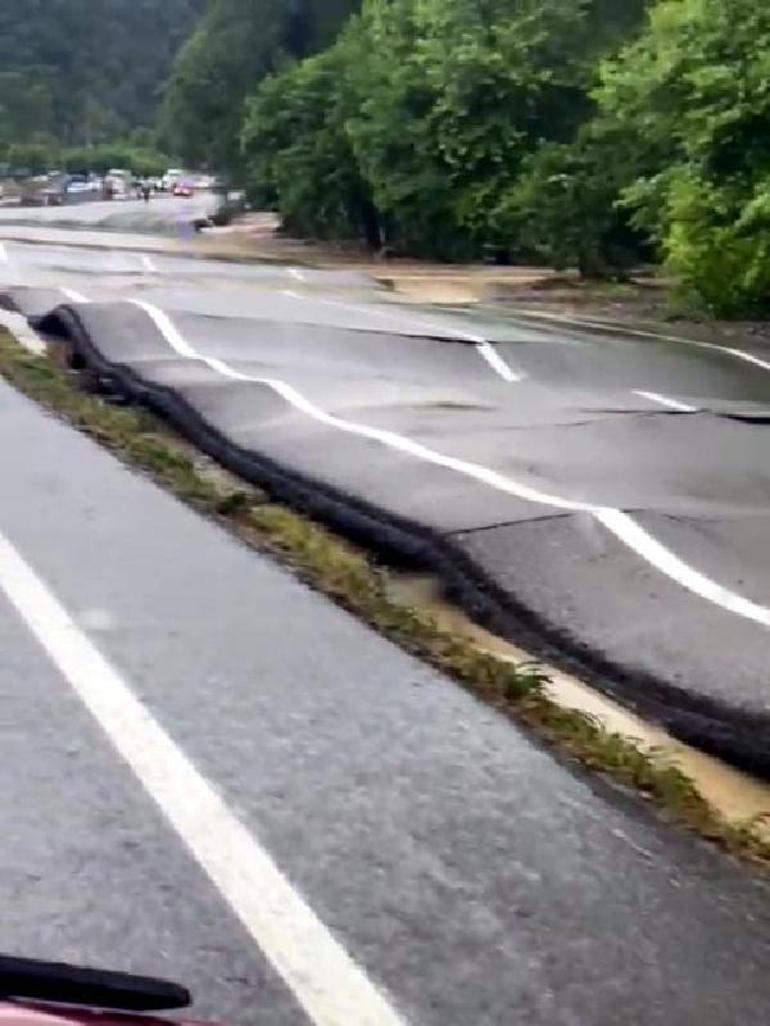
(496, 362)
(619, 523)
(25, 335)
(148, 264)
(484, 347)
(620, 329)
(73, 296)
(390, 438)
(623, 527)
(331, 988)
(4, 257)
(664, 400)
(296, 273)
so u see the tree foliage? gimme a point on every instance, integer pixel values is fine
(298, 153)
(695, 91)
(82, 72)
(237, 45)
(438, 107)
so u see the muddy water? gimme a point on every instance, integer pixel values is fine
(735, 795)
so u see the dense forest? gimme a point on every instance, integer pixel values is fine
(237, 45)
(589, 133)
(85, 71)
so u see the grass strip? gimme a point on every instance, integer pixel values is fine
(347, 575)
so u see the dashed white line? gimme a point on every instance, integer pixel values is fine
(296, 273)
(148, 264)
(483, 346)
(616, 521)
(664, 400)
(496, 362)
(73, 296)
(331, 988)
(25, 335)
(4, 257)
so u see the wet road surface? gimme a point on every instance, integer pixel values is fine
(406, 851)
(470, 876)
(164, 213)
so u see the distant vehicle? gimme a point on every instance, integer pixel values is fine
(184, 188)
(77, 186)
(43, 190)
(171, 178)
(117, 183)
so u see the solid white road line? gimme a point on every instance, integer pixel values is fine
(619, 523)
(331, 988)
(73, 296)
(390, 438)
(496, 362)
(621, 329)
(664, 400)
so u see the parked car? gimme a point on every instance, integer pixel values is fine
(183, 188)
(171, 178)
(117, 183)
(43, 190)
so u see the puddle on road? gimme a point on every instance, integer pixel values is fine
(737, 796)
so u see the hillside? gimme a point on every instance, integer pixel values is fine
(81, 76)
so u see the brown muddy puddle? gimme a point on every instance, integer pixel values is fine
(738, 797)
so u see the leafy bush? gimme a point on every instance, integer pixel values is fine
(434, 108)
(298, 154)
(695, 90)
(563, 209)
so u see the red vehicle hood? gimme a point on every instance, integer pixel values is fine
(28, 1013)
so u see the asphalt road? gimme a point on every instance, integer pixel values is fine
(167, 214)
(213, 774)
(468, 875)
(602, 497)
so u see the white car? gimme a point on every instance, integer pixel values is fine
(172, 177)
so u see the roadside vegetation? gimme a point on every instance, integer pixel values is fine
(577, 133)
(355, 581)
(81, 83)
(80, 73)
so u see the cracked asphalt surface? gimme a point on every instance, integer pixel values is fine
(667, 610)
(472, 876)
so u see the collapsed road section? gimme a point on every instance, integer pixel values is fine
(621, 538)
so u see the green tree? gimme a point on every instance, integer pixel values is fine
(235, 47)
(90, 71)
(298, 153)
(695, 90)
(26, 105)
(238, 44)
(445, 101)
(32, 157)
(563, 209)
